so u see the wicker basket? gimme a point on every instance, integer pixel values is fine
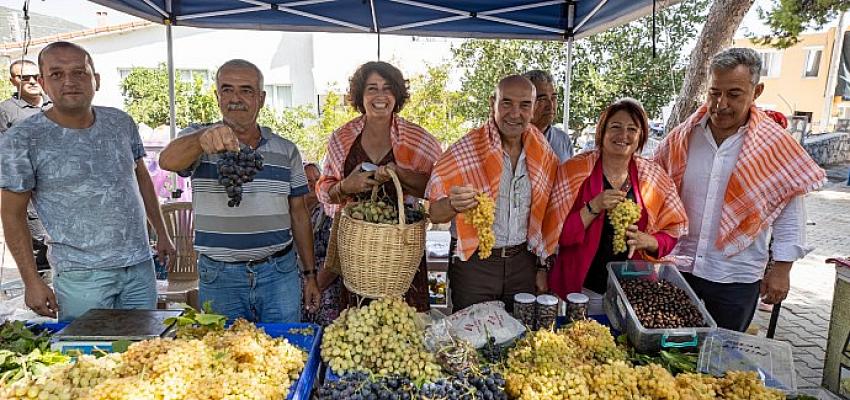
(380, 260)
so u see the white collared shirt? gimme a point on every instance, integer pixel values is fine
(707, 173)
(513, 204)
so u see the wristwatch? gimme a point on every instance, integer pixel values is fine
(590, 209)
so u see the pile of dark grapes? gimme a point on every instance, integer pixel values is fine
(463, 386)
(491, 351)
(236, 168)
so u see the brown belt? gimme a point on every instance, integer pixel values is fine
(508, 251)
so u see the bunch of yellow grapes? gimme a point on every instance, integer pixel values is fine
(622, 216)
(583, 362)
(241, 362)
(383, 338)
(481, 217)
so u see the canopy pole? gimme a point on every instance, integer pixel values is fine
(567, 85)
(171, 94)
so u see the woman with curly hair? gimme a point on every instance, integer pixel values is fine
(380, 137)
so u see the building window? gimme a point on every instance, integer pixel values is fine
(771, 62)
(812, 65)
(188, 75)
(278, 96)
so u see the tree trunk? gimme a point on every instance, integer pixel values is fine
(720, 26)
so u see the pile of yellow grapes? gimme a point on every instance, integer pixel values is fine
(242, 362)
(481, 217)
(383, 338)
(622, 216)
(582, 362)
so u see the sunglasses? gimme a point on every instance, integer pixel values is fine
(27, 78)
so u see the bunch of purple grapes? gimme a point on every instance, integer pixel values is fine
(236, 168)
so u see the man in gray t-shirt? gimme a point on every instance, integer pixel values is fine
(545, 106)
(82, 167)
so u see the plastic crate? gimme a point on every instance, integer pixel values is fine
(725, 350)
(300, 389)
(623, 317)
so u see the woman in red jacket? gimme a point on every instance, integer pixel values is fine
(594, 182)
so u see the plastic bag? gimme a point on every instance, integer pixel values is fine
(478, 322)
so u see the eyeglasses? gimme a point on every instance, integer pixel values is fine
(27, 78)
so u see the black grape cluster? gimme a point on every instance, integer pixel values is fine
(491, 351)
(485, 385)
(236, 168)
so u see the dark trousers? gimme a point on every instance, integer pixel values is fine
(732, 305)
(494, 278)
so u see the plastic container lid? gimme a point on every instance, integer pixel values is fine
(547, 300)
(725, 350)
(524, 298)
(577, 298)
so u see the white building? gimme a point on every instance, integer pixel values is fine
(286, 59)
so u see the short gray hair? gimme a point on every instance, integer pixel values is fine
(731, 58)
(238, 63)
(539, 76)
(20, 62)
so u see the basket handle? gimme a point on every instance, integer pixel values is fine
(399, 197)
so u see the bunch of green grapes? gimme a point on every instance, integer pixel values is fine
(741, 385)
(481, 218)
(622, 216)
(697, 386)
(242, 362)
(592, 342)
(381, 338)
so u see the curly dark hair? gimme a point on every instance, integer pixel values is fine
(357, 84)
(635, 110)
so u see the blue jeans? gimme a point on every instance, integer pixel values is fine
(77, 291)
(267, 292)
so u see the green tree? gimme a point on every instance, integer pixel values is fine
(6, 89)
(787, 19)
(145, 93)
(431, 105)
(616, 63)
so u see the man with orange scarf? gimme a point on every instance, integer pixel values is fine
(509, 160)
(741, 178)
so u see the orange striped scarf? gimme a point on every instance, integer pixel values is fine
(476, 160)
(664, 209)
(772, 168)
(413, 148)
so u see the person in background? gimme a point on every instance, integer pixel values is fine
(381, 137)
(27, 100)
(246, 265)
(545, 107)
(742, 179)
(83, 168)
(595, 182)
(329, 283)
(509, 160)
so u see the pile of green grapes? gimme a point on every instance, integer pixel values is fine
(582, 362)
(241, 362)
(383, 212)
(381, 338)
(622, 216)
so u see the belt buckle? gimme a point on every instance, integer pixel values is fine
(503, 250)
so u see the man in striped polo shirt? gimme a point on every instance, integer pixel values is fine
(246, 264)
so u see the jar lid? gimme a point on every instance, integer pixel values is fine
(526, 298)
(547, 300)
(577, 298)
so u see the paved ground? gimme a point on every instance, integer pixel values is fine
(804, 319)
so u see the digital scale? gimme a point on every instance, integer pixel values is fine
(104, 329)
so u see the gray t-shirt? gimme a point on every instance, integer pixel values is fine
(560, 142)
(83, 186)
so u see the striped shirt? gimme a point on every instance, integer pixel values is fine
(260, 225)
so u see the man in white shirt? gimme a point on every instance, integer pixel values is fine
(545, 107)
(742, 178)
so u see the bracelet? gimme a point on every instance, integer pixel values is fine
(590, 209)
(308, 272)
